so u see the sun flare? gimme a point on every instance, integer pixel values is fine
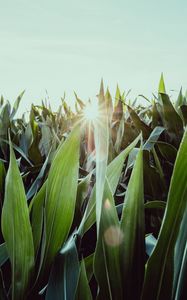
(91, 111)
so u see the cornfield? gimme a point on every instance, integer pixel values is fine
(94, 206)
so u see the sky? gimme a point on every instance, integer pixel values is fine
(66, 46)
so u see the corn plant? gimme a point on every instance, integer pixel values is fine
(94, 209)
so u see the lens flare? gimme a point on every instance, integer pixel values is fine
(113, 236)
(91, 111)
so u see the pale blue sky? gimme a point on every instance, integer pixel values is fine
(69, 45)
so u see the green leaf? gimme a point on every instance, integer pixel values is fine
(131, 159)
(61, 193)
(16, 105)
(4, 119)
(64, 275)
(79, 101)
(26, 139)
(106, 260)
(83, 288)
(132, 250)
(183, 109)
(82, 190)
(117, 95)
(19, 150)
(36, 184)
(182, 281)
(119, 137)
(114, 169)
(37, 214)
(138, 123)
(34, 152)
(47, 141)
(101, 140)
(180, 260)
(160, 265)
(179, 101)
(109, 104)
(17, 231)
(113, 174)
(118, 105)
(156, 118)
(156, 204)
(88, 261)
(153, 185)
(161, 88)
(101, 96)
(159, 168)
(172, 120)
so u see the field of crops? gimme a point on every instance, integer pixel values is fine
(93, 200)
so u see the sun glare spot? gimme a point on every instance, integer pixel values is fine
(91, 111)
(113, 236)
(107, 204)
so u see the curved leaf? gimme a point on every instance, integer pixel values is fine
(83, 288)
(172, 120)
(106, 259)
(160, 265)
(17, 231)
(61, 192)
(132, 250)
(64, 275)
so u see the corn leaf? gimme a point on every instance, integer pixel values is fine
(132, 250)
(37, 215)
(60, 197)
(83, 288)
(180, 259)
(88, 261)
(17, 231)
(106, 260)
(16, 105)
(161, 88)
(172, 120)
(37, 183)
(139, 124)
(64, 275)
(161, 265)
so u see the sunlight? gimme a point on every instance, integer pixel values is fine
(91, 111)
